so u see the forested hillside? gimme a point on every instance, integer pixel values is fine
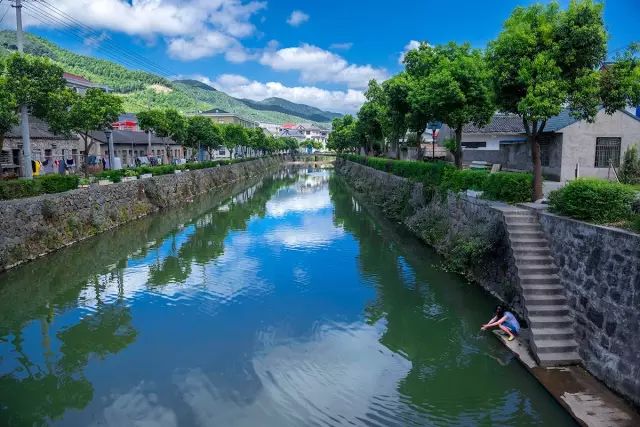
(142, 90)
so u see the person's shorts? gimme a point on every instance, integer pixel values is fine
(511, 327)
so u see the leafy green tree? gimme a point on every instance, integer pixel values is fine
(396, 92)
(630, 169)
(234, 136)
(94, 111)
(8, 110)
(620, 81)
(345, 135)
(455, 87)
(257, 140)
(546, 58)
(201, 131)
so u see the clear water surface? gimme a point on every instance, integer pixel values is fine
(283, 302)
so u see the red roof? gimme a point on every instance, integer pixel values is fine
(289, 126)
(69, 76)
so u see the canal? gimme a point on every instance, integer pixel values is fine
(283, 302)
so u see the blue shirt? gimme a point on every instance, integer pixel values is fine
(511, 322)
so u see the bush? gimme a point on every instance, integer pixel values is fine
(594, 200)
(510, 187)
(17, 189)
(630, 170)
(462, 180)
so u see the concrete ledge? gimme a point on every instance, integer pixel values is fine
(588, 401)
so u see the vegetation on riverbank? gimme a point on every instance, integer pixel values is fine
(510, 187)
(47, 184)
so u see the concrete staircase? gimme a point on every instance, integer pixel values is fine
(546, 310)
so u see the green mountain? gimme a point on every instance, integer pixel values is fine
(278, 104)
(142, 90)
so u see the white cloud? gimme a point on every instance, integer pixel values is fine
(297, 18)
(334, 100)
(341, 46)
(319, 65)
(192, 28)
(413, 44)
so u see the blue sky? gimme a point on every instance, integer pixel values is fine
(319, 52)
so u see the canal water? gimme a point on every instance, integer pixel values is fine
(280, 303)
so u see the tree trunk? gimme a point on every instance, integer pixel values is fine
(537, 167)
(398, 149)
(458, 153)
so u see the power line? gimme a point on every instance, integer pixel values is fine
(5, 12)
(45, 19)
(132, 55)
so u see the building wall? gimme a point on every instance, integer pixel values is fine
(579, 142)
(43, 149)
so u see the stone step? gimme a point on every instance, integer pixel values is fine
(543, 289)
(524, 227)
(521, 243)
(552, 333)
(520, 235)
(534, 251)
(558, 359)
(539, 279)
(533, 258)
(556, 346)
(544, 299)
(529, 268)
(547, 310)
(543, 321)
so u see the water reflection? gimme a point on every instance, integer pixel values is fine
(279, 302)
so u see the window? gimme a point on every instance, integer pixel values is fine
(222, 152)
(478, 144)
(608, 152)
(545, 149)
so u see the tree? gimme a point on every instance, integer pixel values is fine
(620, 81)
(344, 134)
(201, 131)
(630, 170)
(8, 110)
(546, 58)
(455, 87)
(257, 140)
(396, 91)
(94, 111)
(158, 122)
(234, 136)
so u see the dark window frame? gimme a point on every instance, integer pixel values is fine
(608, 148)
(474, 145)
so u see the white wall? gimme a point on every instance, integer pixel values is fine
(579, 142)
(492, 140)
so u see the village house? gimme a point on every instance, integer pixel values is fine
(569, 147)
(224, 117)
(46, 147)
(129, 145)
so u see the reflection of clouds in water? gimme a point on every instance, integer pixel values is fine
(313, 232)
(137, 408)
(345, 373)
(291, 200)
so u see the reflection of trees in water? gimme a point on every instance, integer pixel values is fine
(205, 237)
(36, 392)
(424, 324)
(41, 387)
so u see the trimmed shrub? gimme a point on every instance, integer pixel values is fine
(462, 180)
(20, 188)
(510, 187)
(594, 200)
(58, 183)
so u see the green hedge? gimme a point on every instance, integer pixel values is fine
(510, 187)
(594, 200)
(117, 175)
(505, 186)
(20, 188)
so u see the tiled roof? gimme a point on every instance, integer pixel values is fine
(38, 129)
(501, 123)
(215, 111)
(130, 137)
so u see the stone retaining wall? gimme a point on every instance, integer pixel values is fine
(35, 226)
(600, 271)
(453, 224)
(599, 266)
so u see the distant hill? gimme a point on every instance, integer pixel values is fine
(278, 104)
(142, 90)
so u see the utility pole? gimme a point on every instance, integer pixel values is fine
(24, 110)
